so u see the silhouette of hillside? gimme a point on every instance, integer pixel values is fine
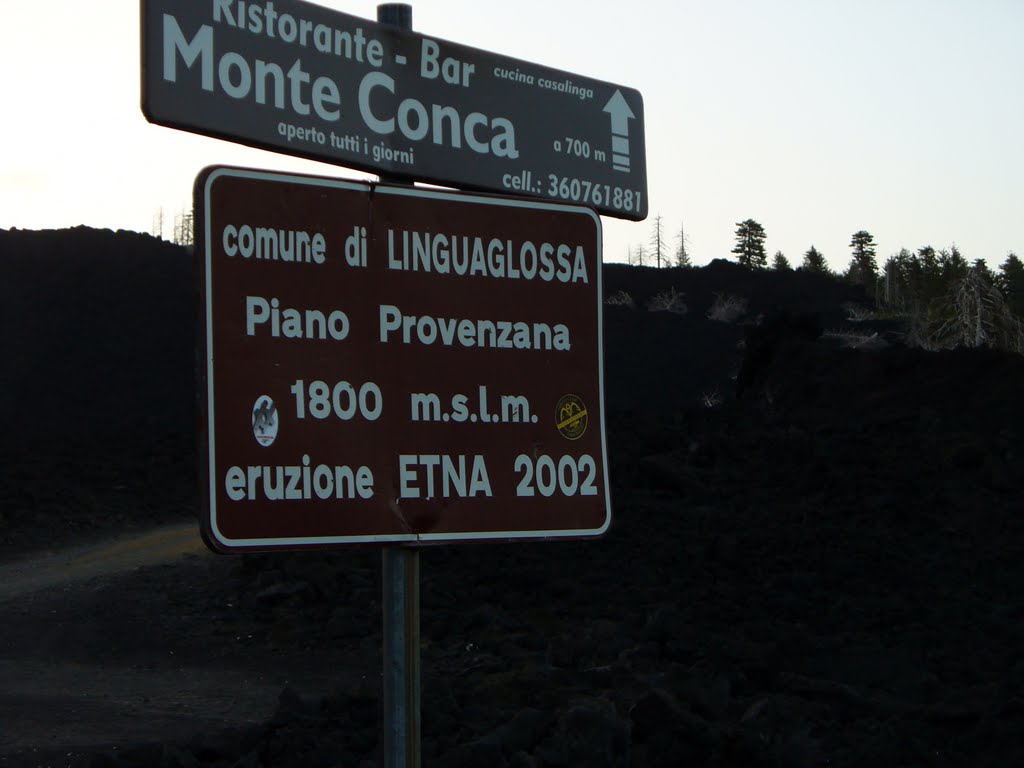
(815, 555)
(99, 353)
(98, 342)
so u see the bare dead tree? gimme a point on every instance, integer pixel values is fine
(158, 223)
(183, 230)
(658, 240)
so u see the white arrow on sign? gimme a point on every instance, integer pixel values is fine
(621, 115)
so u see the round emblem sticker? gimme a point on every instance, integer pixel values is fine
(571, 417)
(264, 421)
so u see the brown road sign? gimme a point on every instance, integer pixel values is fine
(305, 80)
(384, 363)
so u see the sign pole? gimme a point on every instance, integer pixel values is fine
(401, 631)
(400, 572)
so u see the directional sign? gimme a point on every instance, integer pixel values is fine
(298, 78)
(383, 363)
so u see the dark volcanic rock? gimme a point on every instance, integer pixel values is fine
(97, 383)
(99, 340)
(827, 569)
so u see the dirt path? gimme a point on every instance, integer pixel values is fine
(97, 650)
(81, 706)
(79, 564)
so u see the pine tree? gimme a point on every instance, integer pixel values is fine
(981, 267)
(814, 262)
(683, 249)
(898, 279)
(750, 244)
(952, 265)
(780, 263)
(863, 267)
(930, 274)
(1011, 282)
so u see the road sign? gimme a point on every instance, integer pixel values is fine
(391, 364)
(299, 78)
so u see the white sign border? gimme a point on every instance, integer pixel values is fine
(218, 172)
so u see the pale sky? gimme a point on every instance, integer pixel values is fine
(817, 118)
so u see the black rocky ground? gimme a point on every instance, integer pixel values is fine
(826, 569)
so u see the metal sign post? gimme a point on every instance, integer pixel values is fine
(382, 364)
(400, 601)
(401, 681)
(389, 365)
